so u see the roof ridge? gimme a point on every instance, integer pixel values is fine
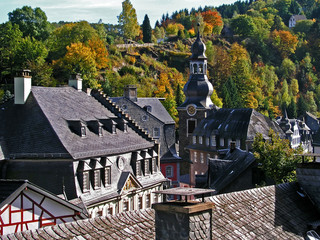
(101, 97)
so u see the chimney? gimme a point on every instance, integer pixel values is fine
(22, 86)
(177, 220)
(130, 92)
(75, 81)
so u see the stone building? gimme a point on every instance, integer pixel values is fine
(78, 146)
(151, 115)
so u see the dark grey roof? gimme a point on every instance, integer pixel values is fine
(308, 175)
(41, 126)
(158, 110)
(299, 17)
(236, 124)
(273, 212)
(8, 187)
(226, 171)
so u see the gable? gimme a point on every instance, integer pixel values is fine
(128, 182)
(31, 210)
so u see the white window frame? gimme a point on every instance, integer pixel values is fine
(156, 132)
(169, 171)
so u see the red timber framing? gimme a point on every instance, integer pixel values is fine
(23, 211)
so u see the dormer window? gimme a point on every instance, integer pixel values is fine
(138, 168)
(107, 175)
(156, 132)
(100, 132)
(114, 129)
(86, 182)
(194, 139)
(200, 139)
(154, 165)
(97, 179)
(83, 131)
(148, 108)
(146, 167)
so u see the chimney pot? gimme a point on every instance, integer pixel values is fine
(130, 92)
(22, 86)
(75, 81)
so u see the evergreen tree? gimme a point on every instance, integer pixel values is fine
(128, 20)
(179, 95)
(292, 109)
(301, 106)
(230, 94)
(146, 29)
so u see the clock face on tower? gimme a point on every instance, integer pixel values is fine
(191, 110)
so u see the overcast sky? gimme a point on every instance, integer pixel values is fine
(107, 10)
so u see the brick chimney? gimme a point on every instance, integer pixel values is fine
(183, 220)
(22, 86)
(130, 92)
(75, 81)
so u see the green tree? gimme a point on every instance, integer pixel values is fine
(302, 106)
(276, 157)
(32, 22)
(179, 96)
(292, 109)
(243, 25)
(30, 50)
(230, 95)
(67, 34)
(10, 37)
(128, 20)
(146, 29)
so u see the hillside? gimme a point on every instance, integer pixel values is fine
(254, 59)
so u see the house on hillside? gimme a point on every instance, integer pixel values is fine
(25, 206)
(297, 132)
(219, 129)
(294, 19)
(151, 115)
(78, 146)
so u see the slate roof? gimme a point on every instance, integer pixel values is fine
(242, 123)
(158, 109)
(224, 172)
(299, 17)
(39, 128)
(273, 212)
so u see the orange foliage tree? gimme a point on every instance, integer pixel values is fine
(213, 19)
(284, 41)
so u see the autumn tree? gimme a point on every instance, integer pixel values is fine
(213, 19)
(284, 42)
(277, 158)
(128, 20)
(146, 28)
(67, 34)
(31, 22)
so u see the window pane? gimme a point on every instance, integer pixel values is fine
(191, 125)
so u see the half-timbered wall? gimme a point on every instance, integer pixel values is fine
(31, 210)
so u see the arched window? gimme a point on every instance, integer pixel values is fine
(195, 68)
(201, 68)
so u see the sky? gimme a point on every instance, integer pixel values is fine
(107, 10)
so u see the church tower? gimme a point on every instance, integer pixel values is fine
(198, 91)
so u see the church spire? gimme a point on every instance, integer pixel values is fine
(198, 89)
